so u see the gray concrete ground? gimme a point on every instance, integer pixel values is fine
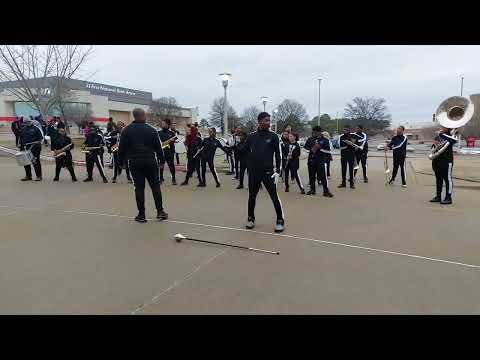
(74, 249)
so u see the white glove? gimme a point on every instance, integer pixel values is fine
(275, 177)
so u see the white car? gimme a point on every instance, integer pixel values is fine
(410, 148)
(470, 151)
(381, 147)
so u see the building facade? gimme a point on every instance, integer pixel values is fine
(100, 100)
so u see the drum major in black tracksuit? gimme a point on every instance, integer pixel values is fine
(347, 155)
(361, 155)
(292, 163)
(399, 146)
(64, 161)
(168, 151)
(443, 168)
(262, 147)
(31, 139)
(209, 146)
(94, 139)
(319, 150)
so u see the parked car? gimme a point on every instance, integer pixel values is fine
(470, 151)
(381, 147)
(410, 148)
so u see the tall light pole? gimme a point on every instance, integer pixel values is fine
(225, 77)
(319, 83)
(460, 135)
(337, 123)
(264, 101)
(461, 88)
(275, 111)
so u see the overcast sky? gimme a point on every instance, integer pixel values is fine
(413, 79)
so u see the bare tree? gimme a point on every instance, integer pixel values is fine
(36, 73)
(163, 108)
(249, 118)
(291, 112)
(216, 114)
(368, 108)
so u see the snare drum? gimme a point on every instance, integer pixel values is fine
(179, 145)
(24, 158)
(218, 151)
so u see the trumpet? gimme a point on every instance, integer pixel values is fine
(168, 142)
(353, 144)
(62, 151)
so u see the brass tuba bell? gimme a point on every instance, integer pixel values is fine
(454, 112)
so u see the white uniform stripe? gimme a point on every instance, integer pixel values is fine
(450, 181)
(326, 177)
(101, 166)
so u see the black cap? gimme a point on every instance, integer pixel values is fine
(262, 115)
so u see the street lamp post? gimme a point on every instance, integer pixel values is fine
(319, 83)
(337, 123)
(275, 111)
(225, 77)
(461, 88)
(264, 101)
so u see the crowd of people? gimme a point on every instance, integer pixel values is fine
(142, 151)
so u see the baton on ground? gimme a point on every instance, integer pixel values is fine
(180, 238)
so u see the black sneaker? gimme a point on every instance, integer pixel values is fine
(184, 183)
(302, 192)
(88, 180)
(328, 194)
(105, 181)
(140, 218)
(162, 181)
(26, 178)
(446, 201)
(240, 187)
(162, 215)
(218, 185)
(436, 199)
(55, 179)
(342, 186)
(352, 186)
(130, 181)
(200, 184)
(174, 182)
(279, 226)
(114, 181)
(310, 192)
(287, 189)
(74, 179)
(365, 180)
(250, 223)
(38, 178)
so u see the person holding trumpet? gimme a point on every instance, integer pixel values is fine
(92, 148)
(168, 137)
(61, 147)
(398, 145)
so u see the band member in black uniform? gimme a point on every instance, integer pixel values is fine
(174, 129)
(443, 166)
(207, 155)
(347, 154)
(31, 138)
(169, 151)
(319, 148)
(292, 162)
(94, 139)
(236, 155)
(230, 156)
(361, 154)
(192, 143)
(262, 146)
(329, 157)
(399, 146)
(62, 144)
(16, 129)
(115, 142)
(242, 156)
(284, 147)
(141, 147)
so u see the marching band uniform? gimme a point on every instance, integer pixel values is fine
(262, 146)
(292, 163)
(319, 148)
(443, 167)
(16, 129)
(242, 156)
(207, 155)
(94, 139)
(361, 154)
(169, 152)
(117, 166)
(230, 159)
(399, 146)
(66, 160)
(192, 142)
(284, 147)
(32, 134)
(347, 154)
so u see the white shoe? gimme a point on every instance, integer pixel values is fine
(404, 185)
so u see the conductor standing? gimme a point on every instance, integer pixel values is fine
(141, 147)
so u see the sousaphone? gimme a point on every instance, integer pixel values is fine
(453, 113)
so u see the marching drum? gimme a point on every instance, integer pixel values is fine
(219, 152)
(24, 158)
(179, 145)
